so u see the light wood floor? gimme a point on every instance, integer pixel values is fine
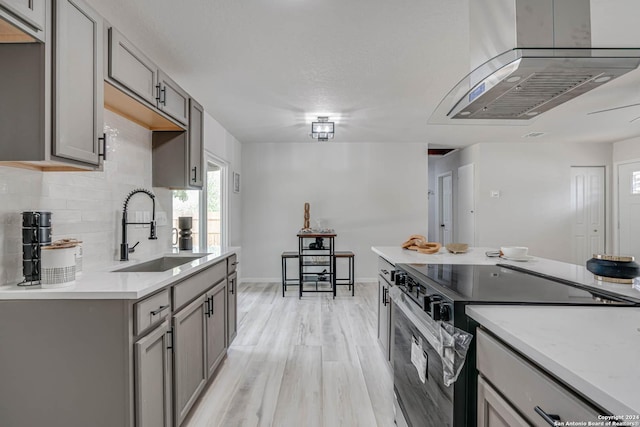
(309, 362)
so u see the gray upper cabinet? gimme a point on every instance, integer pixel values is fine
(26, 15)
(196, 144)
(172, 99)
(178, 156)
(78, 76)
(153, 379)
(216, 314)
(190, 356)
(131, 68)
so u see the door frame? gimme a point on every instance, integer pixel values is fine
(605, 201)
(209, 157)
(474, 201)
(439, 206)
(615, 244)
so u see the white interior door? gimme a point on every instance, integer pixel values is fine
(466, 228)
(629, 209)
(445, 208)
(588, 208)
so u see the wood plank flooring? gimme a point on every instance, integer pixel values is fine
(309, 362)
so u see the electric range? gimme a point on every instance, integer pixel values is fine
(436, 294)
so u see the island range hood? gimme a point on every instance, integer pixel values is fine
(541, 57)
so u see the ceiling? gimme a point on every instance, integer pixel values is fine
(265, 69)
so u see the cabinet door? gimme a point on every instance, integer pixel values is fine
(494, 411)
(190, 357)
(79, 82)
(131, 68)
(232, 308)
(172, 99)
(384, 319)
(153, 379)
(196, 143)
(31, 12)
(216, 316)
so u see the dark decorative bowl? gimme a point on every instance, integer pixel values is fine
(613, 268)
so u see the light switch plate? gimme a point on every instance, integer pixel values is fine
(139, 218)
(161, 219)
(147, 218)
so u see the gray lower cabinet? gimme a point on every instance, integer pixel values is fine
(232, 307)
(78, 73)
(386, 276)
(216, 316)
(504, 401)
(384, 317)
(494, 411)
(172, 99)
(153, 374)
(190, 356)
(31, 12)
(131, 68)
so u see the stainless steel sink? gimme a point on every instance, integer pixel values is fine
(160, 264)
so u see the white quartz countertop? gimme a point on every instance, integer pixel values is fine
(107, 284)
(595, 350)
(476, 255)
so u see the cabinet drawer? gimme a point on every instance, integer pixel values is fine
(151, 310)
(527, 386)
(198, 284)
(232, 263)
(386, 270)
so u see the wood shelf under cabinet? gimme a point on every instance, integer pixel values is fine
(124, 105)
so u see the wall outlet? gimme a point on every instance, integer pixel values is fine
(161, 219)
(495, 194)
(147, 218)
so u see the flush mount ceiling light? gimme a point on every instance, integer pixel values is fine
(322, 130)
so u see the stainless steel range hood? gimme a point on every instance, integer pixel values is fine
(541, 57)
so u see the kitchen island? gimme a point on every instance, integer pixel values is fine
(592, 350)
(476, 255)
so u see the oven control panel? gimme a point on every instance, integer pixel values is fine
(436, 305)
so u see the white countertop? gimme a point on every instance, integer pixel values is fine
(476, 255)
(107, 284)
(594, 350)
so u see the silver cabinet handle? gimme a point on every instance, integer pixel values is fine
(162, 307)
(551, 419)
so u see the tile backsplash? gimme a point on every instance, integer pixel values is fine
(87, 205)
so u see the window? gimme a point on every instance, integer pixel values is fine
(206, 208)
(214, 204)
(187, 203)
(635, 182)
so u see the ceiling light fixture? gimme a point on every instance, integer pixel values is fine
(323, 129)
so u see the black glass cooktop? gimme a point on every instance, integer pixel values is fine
(499, 283)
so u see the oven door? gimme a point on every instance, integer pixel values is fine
(422, 397)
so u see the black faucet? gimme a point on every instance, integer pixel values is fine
(124, 246)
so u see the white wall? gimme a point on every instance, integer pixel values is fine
(627, 150)
(371, 194)
(86, 205)
(534, 181)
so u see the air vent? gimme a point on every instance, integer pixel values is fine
(527, 97)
